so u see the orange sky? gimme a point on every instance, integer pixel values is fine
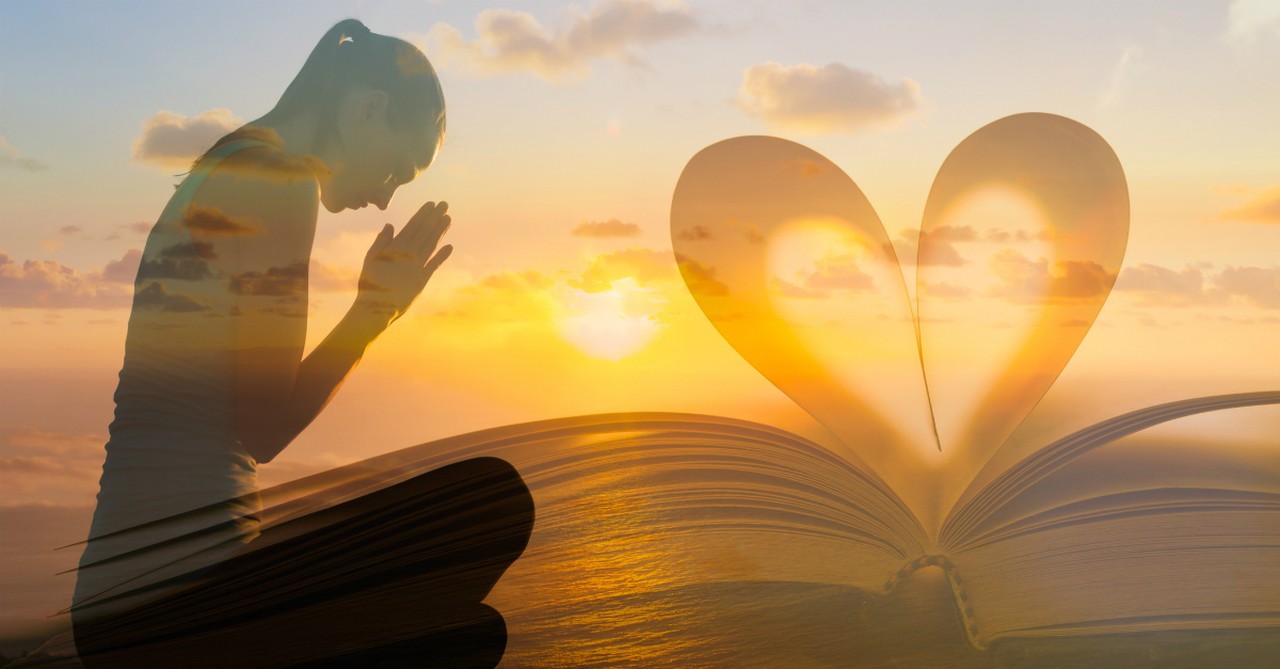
(563, 296)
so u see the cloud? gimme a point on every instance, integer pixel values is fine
(1130, 65)
(213, 222)
(155, 296)
(1259, 286)
(290, 307)
(139, 228)
(124, 270)
(834, 272)
(1162, 286)
(831, 98)
(953, 233)
(1264, 208)
(1247, 19)
(697, 233)
(12, 157)
(511, 41)
(185, 261)
(646, 266)
(1024, 280)
(942, 252)
(50, 284)
(1002, 236)
(285, 281)
(700, 278)
(610, 228)
(174, 141)
(514, 298)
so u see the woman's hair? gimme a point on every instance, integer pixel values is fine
(350, 57)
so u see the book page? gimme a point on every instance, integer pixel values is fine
(648, 526)
(1148, 533)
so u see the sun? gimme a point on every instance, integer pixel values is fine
(610, 324)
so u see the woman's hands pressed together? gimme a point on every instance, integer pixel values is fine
(398, 266)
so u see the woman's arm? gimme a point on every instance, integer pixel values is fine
(261, 230)
(396, 268)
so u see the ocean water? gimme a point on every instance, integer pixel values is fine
(649, 555)
(811, 626)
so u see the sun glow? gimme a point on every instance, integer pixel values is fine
(610, 324)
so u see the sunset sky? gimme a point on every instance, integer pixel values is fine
(568, 127)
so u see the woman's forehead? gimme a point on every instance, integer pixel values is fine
(424, 147)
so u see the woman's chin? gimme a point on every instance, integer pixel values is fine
(352, 205)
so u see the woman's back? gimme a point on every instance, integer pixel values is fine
(173, 448)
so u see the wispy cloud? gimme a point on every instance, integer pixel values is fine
(1263, 208)
(11, 157)
(833, 98)
(1248, 19)
(132, 229)
(1130, 65)
(610, 228)
(509, 41)
(173, 141)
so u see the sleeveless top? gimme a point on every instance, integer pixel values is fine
(178, 492)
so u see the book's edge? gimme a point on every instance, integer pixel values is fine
(975, 503)
(378, 471)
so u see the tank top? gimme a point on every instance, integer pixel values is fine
(178, 492)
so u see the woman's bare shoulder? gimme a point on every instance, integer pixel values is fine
(256, 209)
(255, 192)
(266, 164)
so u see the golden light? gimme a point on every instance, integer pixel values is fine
(610, 324)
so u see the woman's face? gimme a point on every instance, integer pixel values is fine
(374, 155)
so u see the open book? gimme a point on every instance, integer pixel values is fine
(1079, 536)
(925, 531)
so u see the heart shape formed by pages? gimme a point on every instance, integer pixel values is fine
(1022, 238)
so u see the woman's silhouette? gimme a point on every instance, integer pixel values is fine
(178, 570)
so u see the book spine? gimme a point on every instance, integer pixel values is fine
(963, 604)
